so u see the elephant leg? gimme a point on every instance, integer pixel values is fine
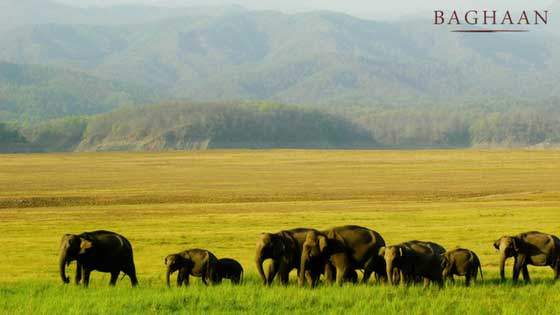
(309, 278)
(130, 271)
(180, 278)
(341, 272)
(368, 270)
(204, 278)
(114, 278)
(186, 278)
(467, 279)
(272, 271)
(517, 266)
(87, 273)
(342, 264)
(208, 277)
(525, 272)
(78, 276)
(284, 274)
(329, 273)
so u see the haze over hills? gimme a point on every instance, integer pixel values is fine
(312, 58)
(59, 62)
(33, 92)
(17, 13)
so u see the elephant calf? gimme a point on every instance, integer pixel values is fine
(461, 262)
(195, 262)
(228, 268)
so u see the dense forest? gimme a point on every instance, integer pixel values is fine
(188, 126)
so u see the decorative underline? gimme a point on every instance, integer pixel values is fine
(490, 31)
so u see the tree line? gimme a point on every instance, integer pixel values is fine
(185, 125)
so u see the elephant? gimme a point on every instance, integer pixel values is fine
(284, 249)
(414, 259)
(529, 248)
(229, 269)
(351, 276)
(345, 248)
(192, 262)
(103, 251)
(461, 262)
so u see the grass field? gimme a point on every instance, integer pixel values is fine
(222, 200)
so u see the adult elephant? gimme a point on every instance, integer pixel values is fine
(414, 259)
(103, 251)
(345, 248)
(284, 250)
(530, 248)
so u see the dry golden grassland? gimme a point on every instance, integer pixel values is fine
(222, 200)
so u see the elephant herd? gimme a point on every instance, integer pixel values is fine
(335, 255)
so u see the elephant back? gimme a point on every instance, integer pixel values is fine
(423, 248)
(108, 242)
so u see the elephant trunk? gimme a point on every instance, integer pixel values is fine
(62, 263)
(301, 274)
(168, 273)
(390, 272)
(502, 265)
(259, 260)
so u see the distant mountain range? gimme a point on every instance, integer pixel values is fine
(227, 53)
(34, 92)
(66, 72)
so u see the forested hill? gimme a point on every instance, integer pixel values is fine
(66, 73)
(183, 126)
(34, 93)
(199, 126)
(310, 58)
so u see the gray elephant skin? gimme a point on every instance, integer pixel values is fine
(461, 262)
(414, 260)
(339, 252)
(192, 262)
(231, 269)
(102, 251)
(529, 248)
(283, 249)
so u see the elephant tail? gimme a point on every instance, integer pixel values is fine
(477, 265)
(480, 269)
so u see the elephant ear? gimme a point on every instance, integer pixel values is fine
(382, 251)
(444, 261)
(322, 243)
(85, 245)
(497, 243)
(279, 248)
(517, 243)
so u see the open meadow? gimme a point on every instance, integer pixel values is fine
(221, 200)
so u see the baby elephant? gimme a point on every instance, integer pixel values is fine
(231, 269)
(461, 262)
(195, 262)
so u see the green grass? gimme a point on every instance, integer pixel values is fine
(222, 200)
(152, 298)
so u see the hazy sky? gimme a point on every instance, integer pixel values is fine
(364, 8)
